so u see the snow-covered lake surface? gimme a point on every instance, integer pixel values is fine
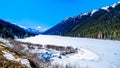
(106, 51)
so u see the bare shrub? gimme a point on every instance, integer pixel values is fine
(59, 48)
(18, 48)
(31, 47)
(71, 49)
(37, 60)
(68, 48)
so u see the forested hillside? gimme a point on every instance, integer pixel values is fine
(103, 23)
(8, 30)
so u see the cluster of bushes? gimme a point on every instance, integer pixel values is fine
(24, 48)
(64, 50)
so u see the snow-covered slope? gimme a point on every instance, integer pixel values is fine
(105, 52)
(115, 4)
(93, 12)
(11, 56)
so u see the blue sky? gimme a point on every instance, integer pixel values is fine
(46, 13)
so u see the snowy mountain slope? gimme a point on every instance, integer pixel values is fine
(107, 51)
(9, 58)
(105, 20)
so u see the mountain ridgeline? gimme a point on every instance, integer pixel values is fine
(8, 30)
(103, 23)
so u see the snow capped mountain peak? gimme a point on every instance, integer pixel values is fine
(22, 26)
(115, 4)
(84, 14)
(93, 12)
(67, 18)
(80, 16)
(39, 27)
(36, 31)
(105, 8)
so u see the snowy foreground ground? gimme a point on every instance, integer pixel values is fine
(93, 53)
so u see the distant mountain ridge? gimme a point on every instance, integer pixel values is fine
(101, 23)
(35, 31)
(9, 30)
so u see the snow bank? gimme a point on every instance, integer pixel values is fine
(9, 56)
(6, 42)
(23, 61)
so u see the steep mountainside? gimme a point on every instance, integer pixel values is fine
(101, 23)
(8, 30)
